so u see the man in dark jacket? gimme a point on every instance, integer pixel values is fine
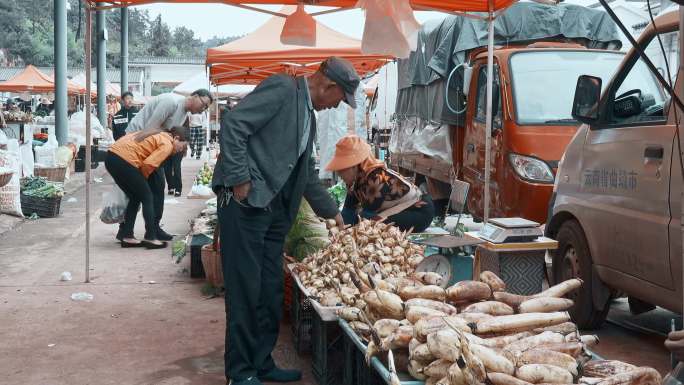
(124, 116)
(265, 169)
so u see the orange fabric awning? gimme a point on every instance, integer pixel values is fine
(254, 57)
(436, 5)
(32, 80)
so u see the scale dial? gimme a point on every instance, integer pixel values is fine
(436, 263)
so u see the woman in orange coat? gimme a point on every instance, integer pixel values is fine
(130, 161)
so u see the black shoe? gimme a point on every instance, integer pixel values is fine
(281, 375)
(197, 157)
(126, 245)
(249, 381)
(163, 235)
(149, 245)
(171, 192)
(178, 193)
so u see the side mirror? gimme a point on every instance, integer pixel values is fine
(585, 107)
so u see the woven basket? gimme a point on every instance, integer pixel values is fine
(53, 174)
(212, 266)
(5, 178)
(43, 207)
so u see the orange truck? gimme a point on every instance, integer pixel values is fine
(533, 90)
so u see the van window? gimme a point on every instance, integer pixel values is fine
(481, 113)
(544, 82)
(639, 97)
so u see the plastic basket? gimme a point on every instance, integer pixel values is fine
(327, 353)
(53, 174)
(301, 315)
(212, 266)
(43, 207)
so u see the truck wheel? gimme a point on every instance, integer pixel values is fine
(573, 260)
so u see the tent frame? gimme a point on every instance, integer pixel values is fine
(89, 8)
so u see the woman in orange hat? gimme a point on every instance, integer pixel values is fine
(374, 191)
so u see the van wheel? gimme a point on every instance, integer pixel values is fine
(573, 260)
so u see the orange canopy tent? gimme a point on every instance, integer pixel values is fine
(419, 5)
(255, 57)
(31, 79)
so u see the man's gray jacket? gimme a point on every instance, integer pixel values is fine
(259, 141)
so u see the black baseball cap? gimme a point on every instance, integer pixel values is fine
(342, 72)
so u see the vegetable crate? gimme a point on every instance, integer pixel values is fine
(43, 207)
(301, 316)
(355, 371)
(327, 354)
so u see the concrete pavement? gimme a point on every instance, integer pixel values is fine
(147, 324)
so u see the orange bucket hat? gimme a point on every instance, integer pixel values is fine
(349, 151)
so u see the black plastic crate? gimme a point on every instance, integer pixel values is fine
(327, 351)
(302, 314)
(196, 266)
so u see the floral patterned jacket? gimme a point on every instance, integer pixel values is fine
(371, 191)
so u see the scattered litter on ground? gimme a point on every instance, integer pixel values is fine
(72, 200)
(66, 276)
(152, 282)
(97, 180)
(33, 217)
(51, 345)
(82, 296)
(171, 201)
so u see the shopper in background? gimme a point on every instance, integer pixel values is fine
(172, 170)
(198, 136)
(130, 161)
(124, 115)
(44, 108)
(161, 114)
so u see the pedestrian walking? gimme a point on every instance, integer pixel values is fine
(265, 168)
(198, 135)
(130, 161)
(161, 114)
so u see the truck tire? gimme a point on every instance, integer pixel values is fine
(573, 260)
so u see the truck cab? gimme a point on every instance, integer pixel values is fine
(616, 203)
(533, 93)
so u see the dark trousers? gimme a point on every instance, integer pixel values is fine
(172, 169)
(252, 255)
(137, 189)
(156, 185)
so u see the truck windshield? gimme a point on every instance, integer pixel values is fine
(544, 82)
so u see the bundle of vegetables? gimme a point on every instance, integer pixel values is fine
(356, 257)
(40, 187)
(307, 235)
(17, 116)
(474, 332)
(205, 174)
(339, 193)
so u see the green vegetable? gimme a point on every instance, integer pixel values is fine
(178, 250)
(40, 187)
(307, 235)
(338, 192)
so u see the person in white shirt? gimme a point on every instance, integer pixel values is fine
(198, 136)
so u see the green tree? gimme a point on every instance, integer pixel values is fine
(185, 42)
(160, 38)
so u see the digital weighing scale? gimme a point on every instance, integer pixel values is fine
(509, 230)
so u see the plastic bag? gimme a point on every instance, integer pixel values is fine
(10, 198)
(114, 209)
(201, 190)
(390, 28)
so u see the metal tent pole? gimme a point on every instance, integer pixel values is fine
(124, 49)
(88, 60)
(488, 129)
(61, 97)
(101, 66)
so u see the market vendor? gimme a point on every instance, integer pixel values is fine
(264, 170)
(44, 108)
(374, 191)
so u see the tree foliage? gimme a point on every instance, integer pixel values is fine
(27, 34)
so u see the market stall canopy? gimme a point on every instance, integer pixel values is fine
(260, 54)
(424, 5)
(202, 81)
(31, 79)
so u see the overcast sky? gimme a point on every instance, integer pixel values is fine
(208, 20)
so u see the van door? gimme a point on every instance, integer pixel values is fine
(626, 169)
(474, 151)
